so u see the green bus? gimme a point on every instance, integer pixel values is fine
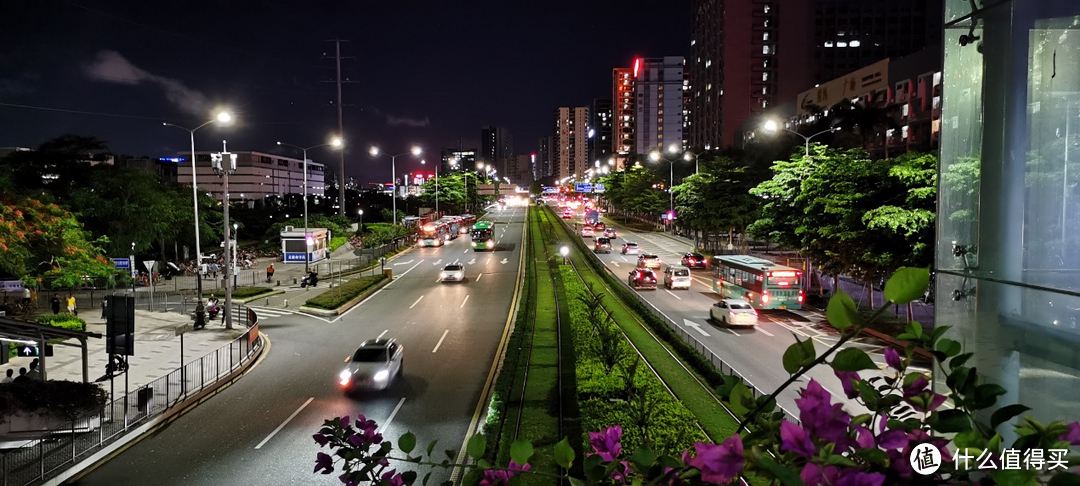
(766, 285)
(483, 236)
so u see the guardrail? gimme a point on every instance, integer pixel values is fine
(48, 455)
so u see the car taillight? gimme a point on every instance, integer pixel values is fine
(801, 296)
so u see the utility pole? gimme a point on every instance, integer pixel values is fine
(341, 126)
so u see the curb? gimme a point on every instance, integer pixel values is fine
(346, 306)
(260, 296)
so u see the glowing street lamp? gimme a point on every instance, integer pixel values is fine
(336, 143)
(773, 127)
(374, 151)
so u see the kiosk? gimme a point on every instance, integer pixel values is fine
(294, 244)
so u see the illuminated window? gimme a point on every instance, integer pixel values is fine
(828, 44)
(766, 8)
(661, 112)
(764, 76)
(765, 36)
(766, 49)
(854, 43)
(841, 44)
(661, 96)
(764, 90)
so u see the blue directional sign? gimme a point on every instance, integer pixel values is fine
(550, 190)
(598, 187)
(294, 257)
(582, 187)
(122, 263)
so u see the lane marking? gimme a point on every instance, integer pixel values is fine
(625, 259)
(729, 330)
(478, 276)
(672, 294)
(370, 297)
(418, 299)
(696, 326)
(386, 424)
(463, 302)
(440, 341)
(437, 261)
(383, 334)
(278, 429)
(767, 333)
(466, 251)
(616, 264)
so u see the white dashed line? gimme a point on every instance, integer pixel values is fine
(767, 333)
(418, 299)
(383, 334)
(278, 429)
(478, 276)
(386, 424)
(440, 341)
(463, 302)
(672, 294)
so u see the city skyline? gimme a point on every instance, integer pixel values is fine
(429, 73)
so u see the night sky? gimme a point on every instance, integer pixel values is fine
(421, 72)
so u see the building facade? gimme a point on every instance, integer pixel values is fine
(458, 160)
(624, 108)
(544, 169)
(258, 175)
(658, 89)
(1007, 262)
(495, 144)
(570, 150)
(602, 126)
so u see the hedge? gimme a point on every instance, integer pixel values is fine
(63, 321)
(333, 298)
(64, 399)
(647, 413)
(245, 292)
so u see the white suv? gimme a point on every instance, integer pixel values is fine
(677, 277)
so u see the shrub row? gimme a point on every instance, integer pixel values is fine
(615, 387)
(245, 292)
(64, 321)
(68, 400)
(333, 298)
(695, 359)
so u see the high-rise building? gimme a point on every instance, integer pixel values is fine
(601, 142)
(257, 175)
(495, 144)
(544, 168)
(458, 160)
(749, 57)
(658, 89)
(624, 111)
(569, 153)
(518, 170)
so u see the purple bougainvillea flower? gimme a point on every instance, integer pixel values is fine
(892, 358)
(622, 469)
(321, 439)
(847, 379)
(366, 426)
(1073, 435)
(344, 421)
(795, 439)
(855, 477)
(822, 418)
(606, 443)
(515, 467)
(494, 477)
(324, 463)
(393, 478)
(916, 387)
(347, 481)
(719, 464)
(892, 439)
(815, 475)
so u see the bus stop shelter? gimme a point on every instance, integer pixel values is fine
(295, 243)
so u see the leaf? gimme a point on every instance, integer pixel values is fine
(1006, 413)
(1015, 477)
(793, 357)
(564, 454)
(786, 476)
(407, 442)
(841, 311)
(1064, 479)
(477, 445)
(986, 395)
(947, 346)
(577, 482)
(949, 421)
(837, 460)
(959, 360)
(409, 477)
(907, 284)
(426, 478)
(853, 359)
(736, 400)
(520, 451)
(938, 332)
(643, 458)
(915, 329)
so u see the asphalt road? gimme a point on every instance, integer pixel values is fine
(755, 353)
(258, 431)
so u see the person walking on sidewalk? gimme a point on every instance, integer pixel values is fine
(71, 304)
(270, 273)
(8, 379)
(55, 302)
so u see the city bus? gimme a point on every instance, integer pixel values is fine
(766, 285)
(434, 233)
(483, 236)
(467, 222)
(453, 224)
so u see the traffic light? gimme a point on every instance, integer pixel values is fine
(31, 351)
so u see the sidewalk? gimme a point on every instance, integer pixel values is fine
(157, 350)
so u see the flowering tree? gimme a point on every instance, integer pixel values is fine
(906, 436)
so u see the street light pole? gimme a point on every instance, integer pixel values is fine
(416, 150)
(223, 117)
(772, 126)
(336, 143)
(424, 162)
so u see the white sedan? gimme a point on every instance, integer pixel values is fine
(454, 272)
(373, 366)
(734, 312)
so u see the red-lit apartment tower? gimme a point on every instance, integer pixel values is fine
(624, 110)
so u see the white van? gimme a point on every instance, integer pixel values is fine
(676, 277)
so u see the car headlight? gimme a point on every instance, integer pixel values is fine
(382, 375)
(490, 244)
(344, 378)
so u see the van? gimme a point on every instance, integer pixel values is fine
(602, 245)
(676, 277)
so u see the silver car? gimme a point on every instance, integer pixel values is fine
(454, 272)
(734, 312)
(373, 366)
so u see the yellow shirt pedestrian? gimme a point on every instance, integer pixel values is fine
(71, 303)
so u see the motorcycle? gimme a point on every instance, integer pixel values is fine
(211, 312)
(311, 279)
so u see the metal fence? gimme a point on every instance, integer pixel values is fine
(51, 453)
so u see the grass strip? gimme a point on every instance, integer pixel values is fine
(331, 299)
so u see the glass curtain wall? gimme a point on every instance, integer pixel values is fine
(1008, 252)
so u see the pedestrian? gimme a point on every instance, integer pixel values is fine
(22, 376)
(270, 272)
(8, 379)
(71, 304)
(104, 307)
(26, 296)
(55, 302)
(34, 373)
(214, 269)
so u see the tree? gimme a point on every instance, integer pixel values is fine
(57, 165)
(43, 242)
(718, 198)
(536, 188)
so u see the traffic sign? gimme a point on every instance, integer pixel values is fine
(28, 351)
(122, 263)
(583, 187)
(550, 190)
(598, 187)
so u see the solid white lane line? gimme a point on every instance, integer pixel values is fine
(278, 429)
(672, 294)
(386, 424)
(625, 259)
(478, 276)
(440, 341)
(463, 302)
(383, 334)
(466, 251)
(767, 333)
(418, 299)
(729, 330)
(616, 264)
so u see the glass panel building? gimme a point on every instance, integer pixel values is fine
(1008, 251)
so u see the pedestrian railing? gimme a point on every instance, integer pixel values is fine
(50, 453)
